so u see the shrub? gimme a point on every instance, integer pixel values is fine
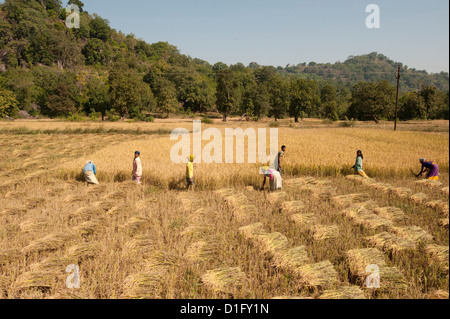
(275, 124)
(206, 120)
(348, 123)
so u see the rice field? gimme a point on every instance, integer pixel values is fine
(313, 240)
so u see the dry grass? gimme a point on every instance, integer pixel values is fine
(418, 198)
(346, 293)
(429, 183)
(224, 280)
(293, 207)
(439, 254)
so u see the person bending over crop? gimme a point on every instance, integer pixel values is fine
(431, 168)
(89, 173)
(276, 182)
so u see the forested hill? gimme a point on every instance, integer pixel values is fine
(51, 70)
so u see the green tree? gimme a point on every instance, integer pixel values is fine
(166, 96)
(328, 100)
(78, 3)
(278, 97)
(372, 101)
(130, 95)
(304, 98)
(227, 92)
(9, 106)
(429, 93)
(98, 96)
(99, 28)
(412, 106)
(96, 51)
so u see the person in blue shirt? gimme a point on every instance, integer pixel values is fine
(90, 171)
(359, 165)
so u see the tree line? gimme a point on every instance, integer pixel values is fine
(49, 70)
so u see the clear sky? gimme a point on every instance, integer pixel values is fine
(281, 32)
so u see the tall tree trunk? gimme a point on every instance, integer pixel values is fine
(224, 117)
(296, 119)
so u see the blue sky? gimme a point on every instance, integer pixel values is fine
(281, 32)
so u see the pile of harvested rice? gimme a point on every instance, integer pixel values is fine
(74, 198)
(392, 213)
(236, 200)
(92, 226)
(276, 197)
(345, 201)
(105, 205)
(225, 192)
(429, 183)
(352, 292)
(360, 259)
(414, 234)
(272, 243)
(439, 294)
(202, 251)
(366, 217)
(306, 220)
(48, 243)
(418, 198)
(163, 259)
(33, 203)
(224, 280)
(117, 195)
(251, 231)
(141, 246)
(321, 232)
(95, 190)
(385, 188)
(292, 207)
(33, 225)
(320, 275)
(135, 224)
(54, 265)
(291, 259)
(440, 205)
(390, 242)
(439, 254)
(446, 191)
(87, 212)
(402, 192)
(244, 211)
(83, 251)
(195, 231)
(37, 280)
(392, 279)
(143, 286)
(444, 222)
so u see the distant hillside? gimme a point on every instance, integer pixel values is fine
(373, 67)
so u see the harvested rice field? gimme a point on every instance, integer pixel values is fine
(326, 235)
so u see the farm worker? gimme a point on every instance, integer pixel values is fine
(431, 168)
(359, 165)
(279, 160)
(89, 173)
(276, 181)
(190, 173)
(137, 168)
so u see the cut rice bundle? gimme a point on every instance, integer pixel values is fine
(320, 275)
(141, 246)
(366, 217)
(298, 181)
(276, 197)
(414, 234)
(236, 200)
(352, 292)
(439, 294)
(428, 183)
(292, 207)
(439, 205)
(92, 226)
(203, 216)
(13, 211)
(444, 222)
(87, 212)
(391, 278)
(392, 213)
(202, 251)
(224, 280)
(291, 259)
(33, 225)
(117, 195)
(195, 231)
(225, 192)
(321, 232)
(402, 192)
(360, 259)
(135, 224)
(446, 191)
(74, 198)
(96, 190)
(306, 220)
(56, 265)
(84, 251)
(390, 242)
(272, 243)
(36, 280)
(345, 201)
(163, 259)
(418, 198)
(251, 231)
(439, 254)
(292, 298)
(105, 205)
(385, 188)
(143, 286)
(244, 211)
(48, 243)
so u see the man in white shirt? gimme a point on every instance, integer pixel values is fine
(137, 168)
(279, 160)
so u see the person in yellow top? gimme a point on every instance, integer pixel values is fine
(190, 173)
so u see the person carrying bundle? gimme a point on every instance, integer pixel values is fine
(276, 182)
(90, 171)
(431, 168)
(359, 165)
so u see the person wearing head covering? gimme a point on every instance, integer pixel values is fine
(431, 168)
(137, 168)
(89, 172)
(276, 182)
(359, 165)
(190, 173)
